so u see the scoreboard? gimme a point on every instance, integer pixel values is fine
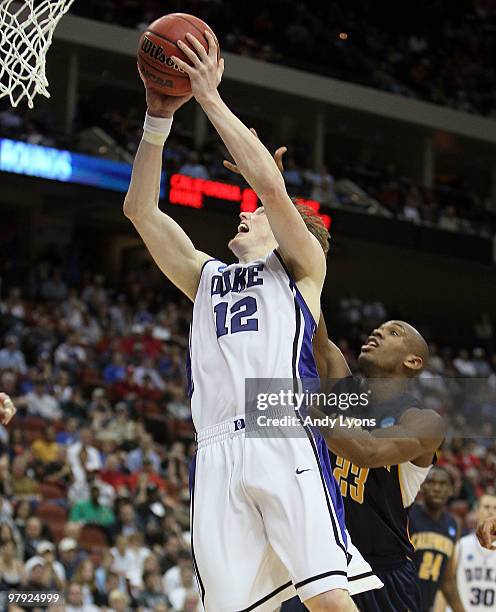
(202, 193)
(53, 164)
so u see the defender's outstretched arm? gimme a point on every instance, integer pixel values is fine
(298, 247)
(331, 364)
(168, 244)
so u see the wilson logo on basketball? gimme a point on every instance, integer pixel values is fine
(157, 53)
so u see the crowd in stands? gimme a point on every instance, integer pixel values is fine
(94, 467)
(436, 51)
(369, 188)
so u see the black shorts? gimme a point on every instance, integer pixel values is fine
(293, 605)
(401, 591)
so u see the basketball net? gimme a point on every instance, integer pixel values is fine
(26, 31)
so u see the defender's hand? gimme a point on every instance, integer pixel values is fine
(7, 409)
(278, 155)
(206, 72)
(162, 105)
(486, 533)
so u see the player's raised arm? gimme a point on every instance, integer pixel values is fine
(170, 247)
(330, 361)
(300, 250)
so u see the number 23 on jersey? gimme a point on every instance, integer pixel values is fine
(351, 479)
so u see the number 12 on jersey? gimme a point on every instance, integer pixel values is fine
(238, 318)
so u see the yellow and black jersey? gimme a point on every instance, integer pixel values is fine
(434, 543)
(377, 499)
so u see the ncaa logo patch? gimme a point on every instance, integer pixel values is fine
(221, 268)
(239, 424)
(387, 422)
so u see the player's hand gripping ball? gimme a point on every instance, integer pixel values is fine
(7, 409)
(158, 44)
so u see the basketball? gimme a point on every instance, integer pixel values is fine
(158, 43)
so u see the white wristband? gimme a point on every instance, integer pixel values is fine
(156, 129)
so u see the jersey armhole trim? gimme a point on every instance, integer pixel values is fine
(204, 265)
(293, 286)
(419, 472)
(417, 468)
(207, 262)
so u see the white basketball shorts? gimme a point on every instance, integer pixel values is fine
(263, 523)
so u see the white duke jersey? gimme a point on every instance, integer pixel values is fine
(476, 574)
(249, 321)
